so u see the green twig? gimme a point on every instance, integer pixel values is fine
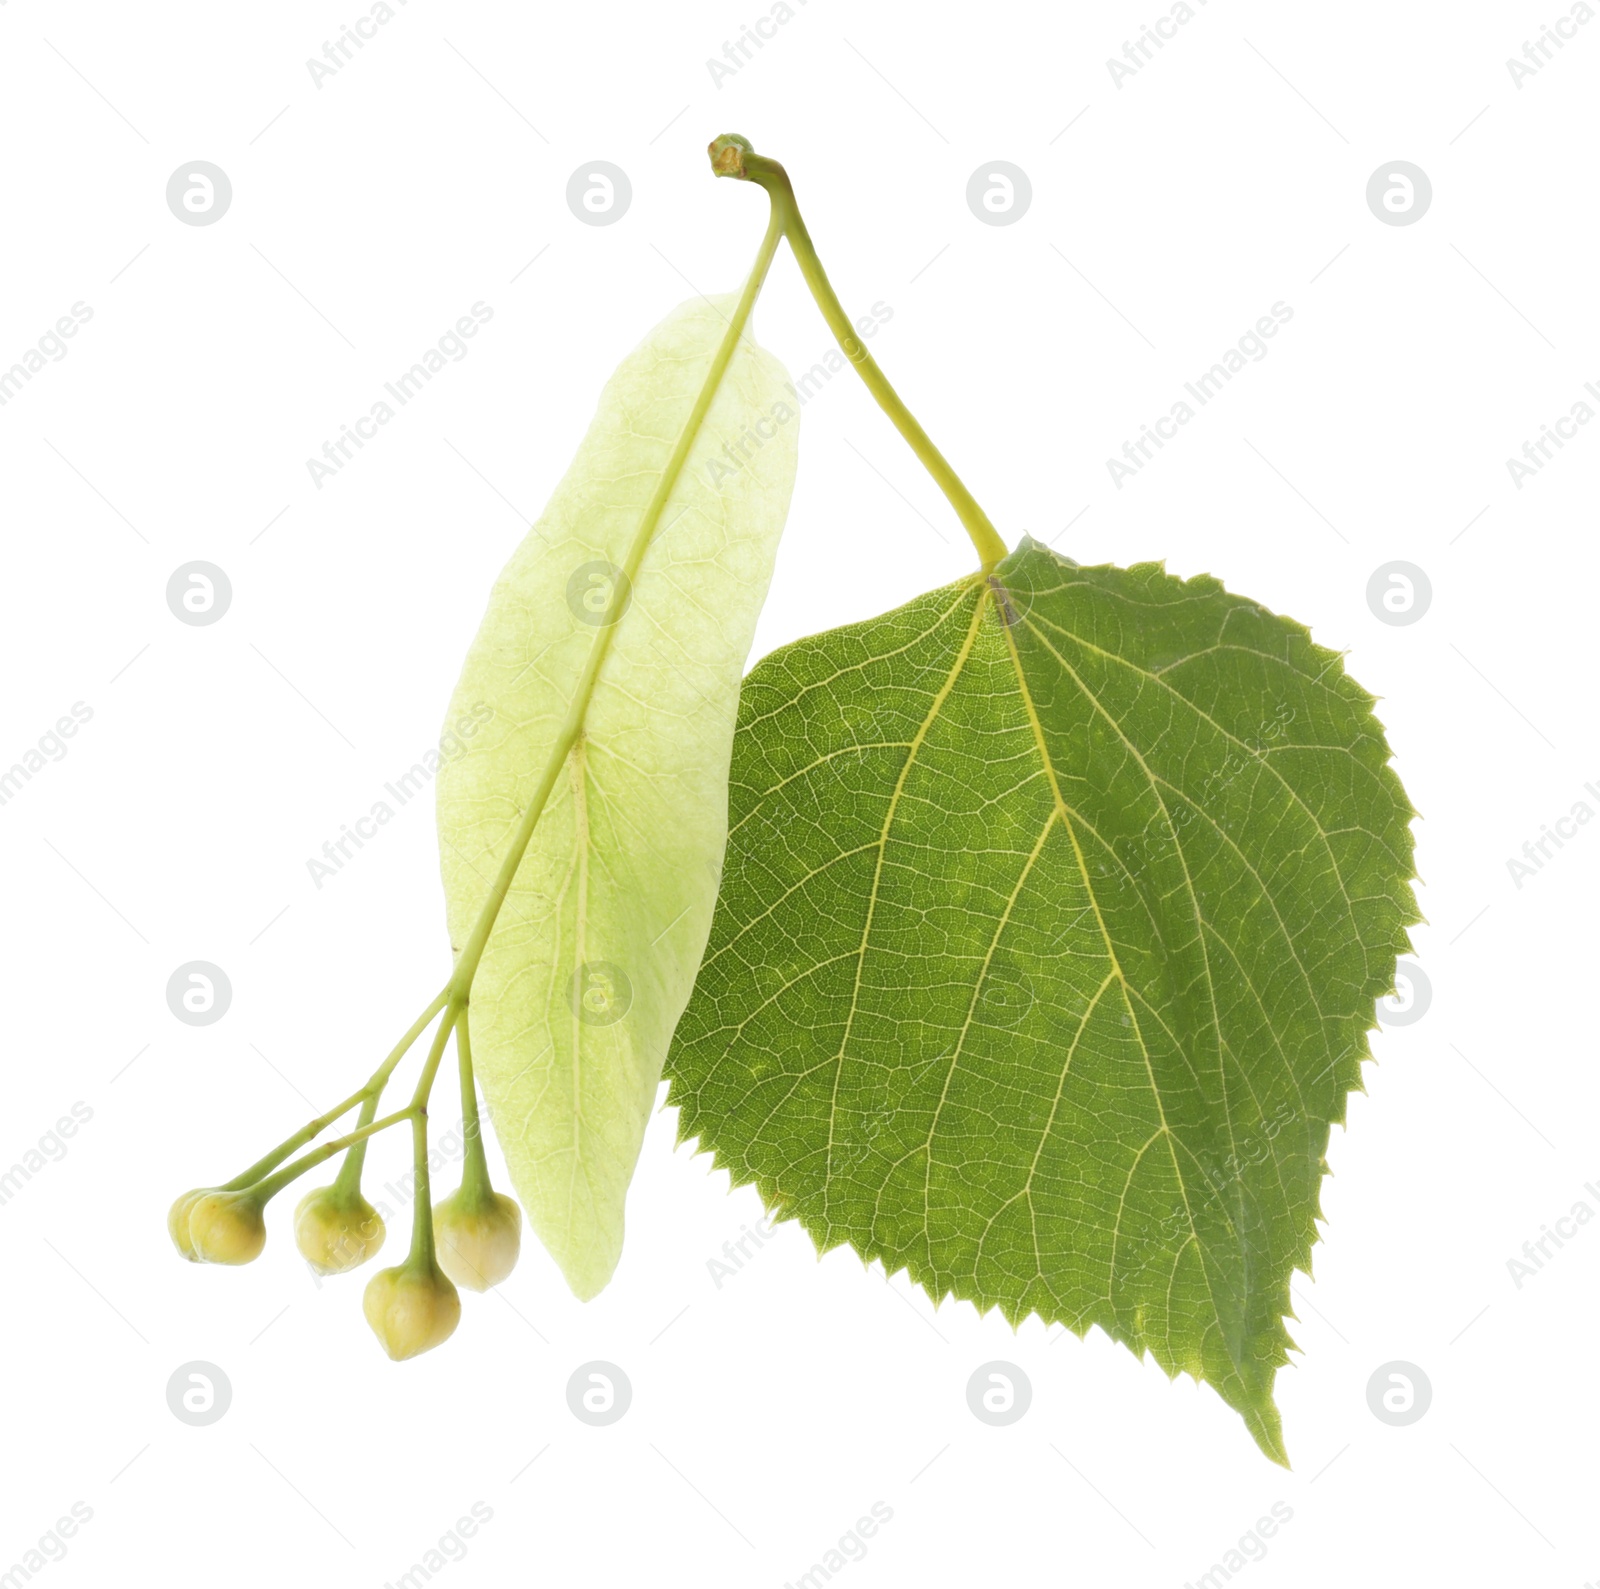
(274, 1184)
(733, 157)
(367, 1096)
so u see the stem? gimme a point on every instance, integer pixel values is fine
(475, 1187)
(416, 1112)
(347, 1183)
(367, 1096)
(357, 1138)
(419, 1099)
(572, 727)
(729, 159)
(313, 1128)
(421, 1255)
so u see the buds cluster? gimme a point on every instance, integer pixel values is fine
(413, 1307)
(471, 1238)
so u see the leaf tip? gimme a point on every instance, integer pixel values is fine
(1266, 1429)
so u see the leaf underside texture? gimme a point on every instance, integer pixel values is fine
(1055, 908)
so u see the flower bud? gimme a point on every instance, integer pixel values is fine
(411, 1310)
(335, 1231)
(478, 1238)
(227, 1227)
(178, 1222)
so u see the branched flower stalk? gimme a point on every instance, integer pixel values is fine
(472, 1237)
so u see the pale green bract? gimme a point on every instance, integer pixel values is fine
(1055, 909)
(595, 949)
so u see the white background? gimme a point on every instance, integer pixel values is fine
(368, 214)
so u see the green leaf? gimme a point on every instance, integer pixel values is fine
(594, 951)
(1055, 909)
